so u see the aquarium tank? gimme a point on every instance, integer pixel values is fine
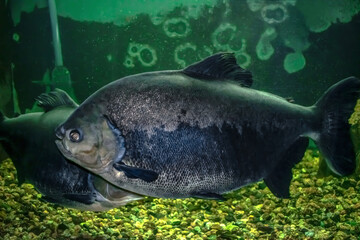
(295, 49)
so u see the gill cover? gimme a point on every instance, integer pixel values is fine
(129, 171)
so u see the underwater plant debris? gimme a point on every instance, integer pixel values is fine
(319, 208)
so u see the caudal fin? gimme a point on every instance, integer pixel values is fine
(3, 155)
(2, 117)
(335, 108)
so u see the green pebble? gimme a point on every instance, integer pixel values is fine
(309, 233)
(212, 237)
(231, 227)
(175, 222)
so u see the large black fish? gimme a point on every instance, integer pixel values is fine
(29, 141)
(202, 132)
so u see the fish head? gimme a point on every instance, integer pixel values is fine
(90, 139)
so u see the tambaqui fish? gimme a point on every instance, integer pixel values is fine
(29, 141)
(202, 132)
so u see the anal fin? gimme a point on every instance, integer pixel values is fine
(278, 181)
(208, 195)
(81, 198)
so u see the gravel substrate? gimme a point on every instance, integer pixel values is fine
(319, 208)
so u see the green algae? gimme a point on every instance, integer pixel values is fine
(294, 62)
(319, 208)
(264, 49)
(331, 12)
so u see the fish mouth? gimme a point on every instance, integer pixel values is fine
(63, 149)
(94, 168)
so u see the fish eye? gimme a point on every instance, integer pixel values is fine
(75, 135)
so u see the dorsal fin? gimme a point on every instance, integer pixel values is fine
(54, 99)
(220, 66)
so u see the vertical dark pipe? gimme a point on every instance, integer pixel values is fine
(55, 33)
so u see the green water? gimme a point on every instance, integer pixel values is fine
(292, 51)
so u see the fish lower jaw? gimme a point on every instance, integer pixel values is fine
(65, 151)
(97, 170)
(100, 170)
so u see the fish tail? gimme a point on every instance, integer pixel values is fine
(334, 109)
(2, 119)
(3, 125)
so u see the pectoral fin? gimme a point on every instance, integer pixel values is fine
(133, 172)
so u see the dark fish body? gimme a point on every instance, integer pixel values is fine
(29, 141)
(213, 142)
(199, 133)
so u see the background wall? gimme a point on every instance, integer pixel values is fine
(291, 50)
